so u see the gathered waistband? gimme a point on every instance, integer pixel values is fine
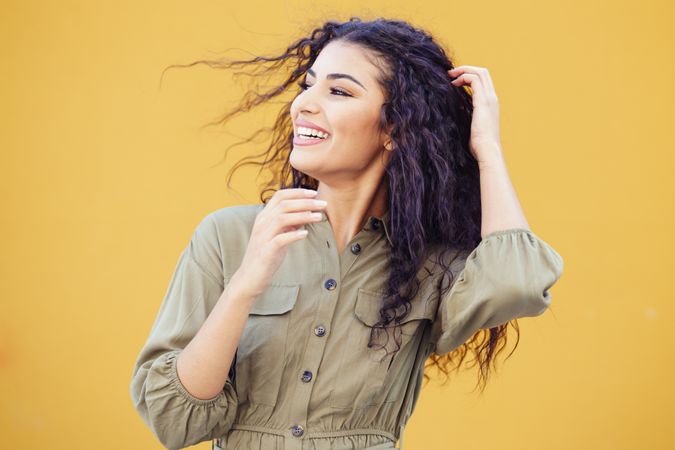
(217, 443)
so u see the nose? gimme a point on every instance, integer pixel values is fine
(306, 101)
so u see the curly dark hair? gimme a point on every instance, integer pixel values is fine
(431, 167)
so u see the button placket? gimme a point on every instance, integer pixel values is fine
(329, 271)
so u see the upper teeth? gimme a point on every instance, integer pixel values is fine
(312, 132)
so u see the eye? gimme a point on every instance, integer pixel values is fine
(303, 86)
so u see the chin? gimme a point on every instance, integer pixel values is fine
(303, 163)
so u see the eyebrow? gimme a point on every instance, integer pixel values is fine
(335, 76)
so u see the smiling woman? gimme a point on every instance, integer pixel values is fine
(419, 252)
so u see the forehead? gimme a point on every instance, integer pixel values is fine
(350, 59)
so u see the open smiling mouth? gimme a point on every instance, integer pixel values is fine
(300, 139)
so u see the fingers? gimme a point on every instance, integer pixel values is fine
(283, 239)
(482, 72)
(293, 220)
(478, 78)
(283, 194)
(290, 211)
(301, 204)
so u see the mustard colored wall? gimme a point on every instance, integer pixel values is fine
(104, 177)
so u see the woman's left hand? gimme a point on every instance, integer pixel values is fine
(485, 142)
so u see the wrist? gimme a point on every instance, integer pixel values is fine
(238, 288)
(494, 161)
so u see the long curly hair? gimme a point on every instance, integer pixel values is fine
(431, 167)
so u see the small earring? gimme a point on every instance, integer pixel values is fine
(388, 145)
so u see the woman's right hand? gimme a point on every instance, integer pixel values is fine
(275, 227)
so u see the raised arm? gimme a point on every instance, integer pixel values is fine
(509, 274)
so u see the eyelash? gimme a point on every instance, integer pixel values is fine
(303, 85)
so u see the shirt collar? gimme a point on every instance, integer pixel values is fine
(374, 223)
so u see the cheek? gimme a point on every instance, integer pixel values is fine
(356, 125)
(357, 140)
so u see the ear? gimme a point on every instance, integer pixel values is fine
(388, 145)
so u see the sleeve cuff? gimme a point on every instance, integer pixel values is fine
(171, 361)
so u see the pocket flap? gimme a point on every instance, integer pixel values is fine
(368, 304)
(277, 299)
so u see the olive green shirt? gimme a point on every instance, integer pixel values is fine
(303, 377)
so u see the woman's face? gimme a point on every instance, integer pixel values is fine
(349, 110)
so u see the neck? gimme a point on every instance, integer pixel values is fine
(349, 207)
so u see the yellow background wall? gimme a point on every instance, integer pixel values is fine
(104, 177)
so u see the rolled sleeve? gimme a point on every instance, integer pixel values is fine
(176, 417)
(507, 276)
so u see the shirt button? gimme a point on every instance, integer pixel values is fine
(320, 330)
(356, 249)
(330, 284)
(306, 376)
(375, 223)
(297, 430)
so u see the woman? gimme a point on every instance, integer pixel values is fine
(295, 320)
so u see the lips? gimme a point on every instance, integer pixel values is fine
(308, 124)
(303, 141)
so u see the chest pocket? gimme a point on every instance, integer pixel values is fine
(262, 347)
(363, 370)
